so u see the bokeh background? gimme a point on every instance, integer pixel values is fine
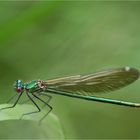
(44, 40)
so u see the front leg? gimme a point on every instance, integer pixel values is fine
(14, 103)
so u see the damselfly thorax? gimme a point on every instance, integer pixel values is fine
(31, 87)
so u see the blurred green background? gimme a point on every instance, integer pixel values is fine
(44, 40)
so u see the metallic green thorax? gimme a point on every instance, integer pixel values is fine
(32, 86)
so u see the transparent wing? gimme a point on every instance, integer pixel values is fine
(103, 81)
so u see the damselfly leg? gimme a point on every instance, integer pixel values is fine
(31, 98)
(39, 94)
(34, 104)
(46, 104)
(49, 97)
(14, 103)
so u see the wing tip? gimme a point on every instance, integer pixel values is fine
(133, 71)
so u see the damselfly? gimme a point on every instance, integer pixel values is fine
(78, 86)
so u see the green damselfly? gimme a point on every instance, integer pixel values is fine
(79, 86)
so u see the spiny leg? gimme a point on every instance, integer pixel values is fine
(45, 104)
(34, 104)
(14, 103)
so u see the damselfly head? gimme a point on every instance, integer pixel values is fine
(19, 86)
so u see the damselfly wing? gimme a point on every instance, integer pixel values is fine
(90, 84)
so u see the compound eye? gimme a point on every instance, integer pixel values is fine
(19, 90)
(19, 86)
